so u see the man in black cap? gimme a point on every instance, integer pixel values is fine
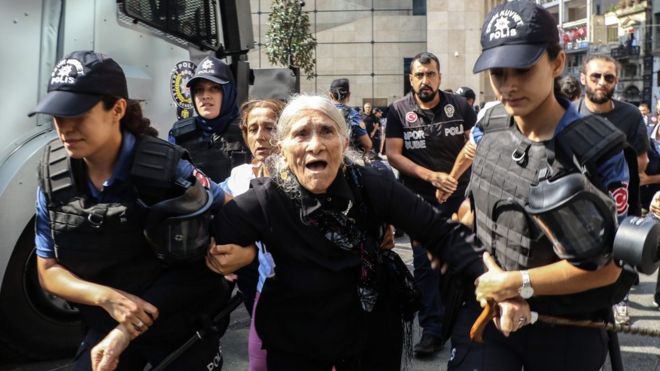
(468, 94)
(213, 137)
(425, 131)
(340, 94)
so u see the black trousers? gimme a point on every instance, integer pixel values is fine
(537, 347)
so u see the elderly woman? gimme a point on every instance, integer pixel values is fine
(321, 217)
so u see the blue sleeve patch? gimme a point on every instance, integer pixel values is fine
(476, 133)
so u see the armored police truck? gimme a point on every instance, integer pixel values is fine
(148, 38)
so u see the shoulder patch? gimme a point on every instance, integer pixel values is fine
(411, 116)
(202, 178)
(620, 196)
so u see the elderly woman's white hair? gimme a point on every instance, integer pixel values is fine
(294, 109)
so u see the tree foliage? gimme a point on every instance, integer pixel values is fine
(288, 40)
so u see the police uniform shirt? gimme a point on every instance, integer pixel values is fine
(613, 171)
(354, 120)
(431, 138)
(111, 192)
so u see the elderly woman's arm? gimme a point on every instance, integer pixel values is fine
(449, 241)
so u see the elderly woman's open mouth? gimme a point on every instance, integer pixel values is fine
(316, 165)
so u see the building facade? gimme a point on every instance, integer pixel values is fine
(371, 42)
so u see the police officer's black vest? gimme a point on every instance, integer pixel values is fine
(216, 154)
(84, 230)
(503, 169)
(507, 163)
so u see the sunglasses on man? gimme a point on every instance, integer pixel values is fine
(609, 78)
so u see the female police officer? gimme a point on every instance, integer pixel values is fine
(213, 137)
(97, 184)
(532, 139)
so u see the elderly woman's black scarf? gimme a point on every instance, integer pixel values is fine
(339, 224)
(344, 226)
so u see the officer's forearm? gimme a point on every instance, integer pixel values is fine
(366, 143)
(59, 281)
(462, 163)
(563, 278)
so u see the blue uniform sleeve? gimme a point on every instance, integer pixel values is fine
(171, 138)
(356, 120)
(186, 169)
(615, 176)
(476, 133)
(43, 238)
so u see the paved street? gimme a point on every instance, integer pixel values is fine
(639, 353)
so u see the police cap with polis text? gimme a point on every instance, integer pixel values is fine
(79, 81)
(212, 69)
(515, 35)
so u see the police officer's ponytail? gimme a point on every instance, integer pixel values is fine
(133, 120)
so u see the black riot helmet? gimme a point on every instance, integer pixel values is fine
(576, 216)
(178, 228)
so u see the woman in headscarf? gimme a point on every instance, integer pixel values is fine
(213, 137)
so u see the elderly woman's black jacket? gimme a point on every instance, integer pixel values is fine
(311, 305)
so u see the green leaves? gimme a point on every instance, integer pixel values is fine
(288, 40)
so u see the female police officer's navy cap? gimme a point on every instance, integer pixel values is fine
(212, 69)
(515, 35)
(79, 81)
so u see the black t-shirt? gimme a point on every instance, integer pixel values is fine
(626, 118)
(369, 122)
(311, 305)
(431, 138)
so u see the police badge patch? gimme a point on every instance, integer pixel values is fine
(449, 110)
(179, 77)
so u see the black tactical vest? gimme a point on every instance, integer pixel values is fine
(84, 230)
(507, 163)
(215, 155)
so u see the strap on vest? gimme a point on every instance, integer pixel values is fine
(59, 175)
(154, 167)
(496, 118)
(589, 141)
(183, 129)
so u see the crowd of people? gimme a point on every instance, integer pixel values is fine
(294, 204)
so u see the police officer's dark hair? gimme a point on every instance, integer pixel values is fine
(602, 57)
(553, 52)
(133, 119)
(570, 87)
(274, 105)
(425, 58)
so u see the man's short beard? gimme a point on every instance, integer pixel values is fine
(592, 95)
(425, 97)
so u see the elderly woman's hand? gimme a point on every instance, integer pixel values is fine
(495, 284)
(105, 354)
(226, 259)
(513, 315)
(655, 205)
